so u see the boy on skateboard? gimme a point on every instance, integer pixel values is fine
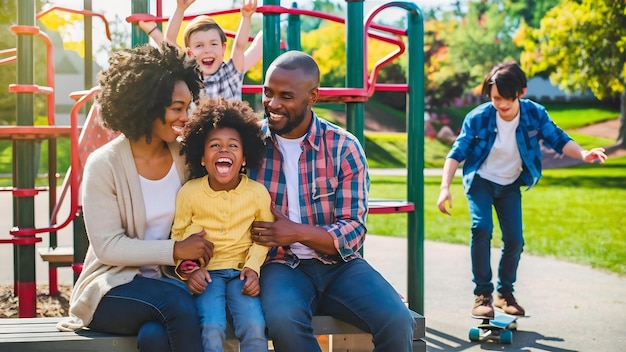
(499, 142)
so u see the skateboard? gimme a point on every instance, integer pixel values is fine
(500, 328)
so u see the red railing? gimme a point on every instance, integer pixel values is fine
(327, 94)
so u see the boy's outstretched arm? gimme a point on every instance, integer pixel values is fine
(254, 53)
(248, 8)
(574, 150)
(176, 20)
(152, 30)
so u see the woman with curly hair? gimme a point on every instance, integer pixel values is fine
(129, 193)
(222, 139)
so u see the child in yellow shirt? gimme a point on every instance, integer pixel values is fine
(221, 140)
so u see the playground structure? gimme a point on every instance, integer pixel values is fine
(360, 85)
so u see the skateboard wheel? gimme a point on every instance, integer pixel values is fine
(506, 336)
(474, 334)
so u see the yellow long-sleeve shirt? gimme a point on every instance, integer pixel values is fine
(226, 217)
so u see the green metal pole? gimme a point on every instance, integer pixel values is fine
(293, 30)
(271, 35)
(355, 67)
(138, 36)
(24, 165)
(88, 48)
(415, 157)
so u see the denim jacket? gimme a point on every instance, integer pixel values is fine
(479, 133)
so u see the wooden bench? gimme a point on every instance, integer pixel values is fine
(41, 335)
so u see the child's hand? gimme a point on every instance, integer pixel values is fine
(197, 281)
(248, 8)
(251, 287)
(184, 4)
(595, 155)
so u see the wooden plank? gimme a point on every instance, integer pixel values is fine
(41, 335)
(57, 255)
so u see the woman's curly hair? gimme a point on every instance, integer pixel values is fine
(138, 86)
(214, 113)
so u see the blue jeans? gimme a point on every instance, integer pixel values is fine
(161, 314)
(350, 291)
(507, 200)
(223, 295)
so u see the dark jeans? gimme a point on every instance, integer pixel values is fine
(353, 292)
(161, 314)
(483, 196)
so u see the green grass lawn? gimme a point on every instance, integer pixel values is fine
(576, 214)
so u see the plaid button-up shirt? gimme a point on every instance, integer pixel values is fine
(479, 133)
(334, 186)
(226, 82)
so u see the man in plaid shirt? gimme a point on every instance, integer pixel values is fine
(317, 176)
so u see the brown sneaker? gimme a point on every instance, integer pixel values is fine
(507, 303)
(483, 307)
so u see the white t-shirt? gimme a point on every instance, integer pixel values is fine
(159, 197)
(291, 151)
(504, 163)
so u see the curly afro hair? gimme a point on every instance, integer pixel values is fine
(138, 86)
(214, 113)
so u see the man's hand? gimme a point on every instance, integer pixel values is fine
(251, 287)
(281, 232)
(198, 280)
(194, 247)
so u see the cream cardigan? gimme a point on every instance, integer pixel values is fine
(115, 220)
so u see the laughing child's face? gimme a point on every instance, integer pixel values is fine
(208, 49)
(223, 158)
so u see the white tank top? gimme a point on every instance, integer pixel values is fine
(159, 197)
(291, 151)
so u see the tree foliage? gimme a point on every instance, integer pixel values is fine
(583, 44)
(481, 39)
(529, 11)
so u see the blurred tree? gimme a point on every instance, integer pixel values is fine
(584, 43)
(325, 6)
(482, 38)
(529, 11)
(327, 45)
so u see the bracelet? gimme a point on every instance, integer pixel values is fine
(153, 29)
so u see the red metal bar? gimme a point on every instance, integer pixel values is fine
(30, 88)
(8, 59)
(18, 132)
(27, 295)
(345, 95)
(379, 206)
(81, 12)
(25, 192)
(34, 132)
(53, 281)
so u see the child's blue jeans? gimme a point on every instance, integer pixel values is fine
(222, 296)
(507, 201)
